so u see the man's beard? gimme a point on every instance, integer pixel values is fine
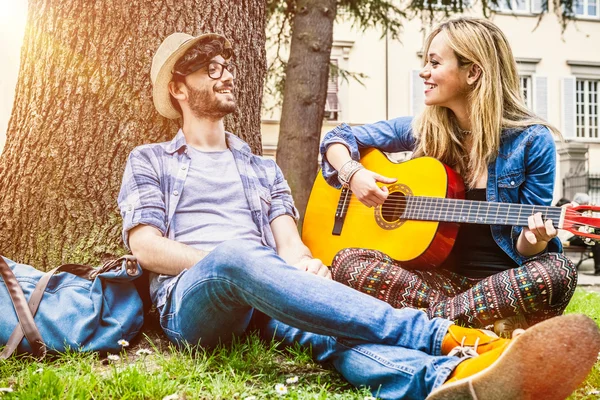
(205, 104)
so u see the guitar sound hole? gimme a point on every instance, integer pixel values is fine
(394, 207)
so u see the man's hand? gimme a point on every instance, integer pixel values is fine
(313, 266)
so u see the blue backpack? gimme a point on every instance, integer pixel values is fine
(73, 307)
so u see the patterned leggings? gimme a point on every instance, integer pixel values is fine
(539, 289)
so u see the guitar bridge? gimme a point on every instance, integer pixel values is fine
(342, 210)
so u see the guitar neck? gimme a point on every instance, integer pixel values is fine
(475, 212)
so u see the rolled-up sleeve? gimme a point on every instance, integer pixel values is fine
(282, 202)
(391, 136)
(141, 200)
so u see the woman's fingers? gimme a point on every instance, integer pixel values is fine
(538, 229)
(365, 188)
(384, 179)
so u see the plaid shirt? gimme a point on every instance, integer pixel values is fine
(155, 177)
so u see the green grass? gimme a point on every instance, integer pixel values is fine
(587, 303)
(246, 368)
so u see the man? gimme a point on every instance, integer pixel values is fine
(215, 225)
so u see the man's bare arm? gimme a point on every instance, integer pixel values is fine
(291, 248)
(159, 254)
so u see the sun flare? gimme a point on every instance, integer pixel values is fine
(13, 15)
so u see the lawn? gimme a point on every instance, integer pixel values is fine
(152, 369)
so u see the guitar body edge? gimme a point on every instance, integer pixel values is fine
(444, 239)
(417, 244)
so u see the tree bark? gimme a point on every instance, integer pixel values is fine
(305, 94)
(83, 102)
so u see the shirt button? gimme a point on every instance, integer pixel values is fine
(512, 183)
(176, 193)
(183, 167)
(130, 208)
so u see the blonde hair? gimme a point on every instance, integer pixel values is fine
(495, 101)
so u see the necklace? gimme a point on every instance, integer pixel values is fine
(464, 132)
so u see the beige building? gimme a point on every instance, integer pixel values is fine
(560, 76)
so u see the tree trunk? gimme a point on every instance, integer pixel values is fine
(305, 94)
(83, 101)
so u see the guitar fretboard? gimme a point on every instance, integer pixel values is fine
(474, 212)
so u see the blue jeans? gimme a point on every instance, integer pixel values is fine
(394, 352)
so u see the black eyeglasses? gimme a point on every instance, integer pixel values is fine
(214, 69)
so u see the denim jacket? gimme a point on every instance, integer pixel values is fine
(523, 172)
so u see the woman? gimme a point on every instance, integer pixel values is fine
(476, 122)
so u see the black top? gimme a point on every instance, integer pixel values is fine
(475, 253)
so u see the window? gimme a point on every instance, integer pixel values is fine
(585, 8)
(586, 108)
(332, 104)
(514, 5)
(449, 4)
(525, 83)
(580, 117)
(521, 6)
(534, 87)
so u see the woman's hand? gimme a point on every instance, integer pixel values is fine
(364, 186)
(535, 237)
(539, 230)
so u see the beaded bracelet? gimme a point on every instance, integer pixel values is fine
(348, 170)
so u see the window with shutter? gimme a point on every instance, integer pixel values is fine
(586, 108)
(520, 6)
(525, 84)
(332, 104)
(454, 5)
(540, 95)
(586, 8)
(568, 108)
(417, 93)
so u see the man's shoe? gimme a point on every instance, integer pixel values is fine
(462, 341)
(473, 365)
(548, 361)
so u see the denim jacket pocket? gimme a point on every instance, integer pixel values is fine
(508, 186)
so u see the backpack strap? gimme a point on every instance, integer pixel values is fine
(83, 271)
(26, 326)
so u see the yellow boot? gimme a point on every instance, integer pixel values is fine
(473, 365)
(479, 340)
(548, 361)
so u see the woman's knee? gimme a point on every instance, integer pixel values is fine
(562, 266)
(562, 276)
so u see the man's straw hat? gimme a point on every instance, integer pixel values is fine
(169, 51)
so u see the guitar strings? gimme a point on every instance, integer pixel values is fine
(508, 219)
(455, 203)
(466, 207)
(391, 204)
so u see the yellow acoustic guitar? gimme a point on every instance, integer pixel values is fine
(419, 221)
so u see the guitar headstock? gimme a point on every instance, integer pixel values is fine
(580, 221)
